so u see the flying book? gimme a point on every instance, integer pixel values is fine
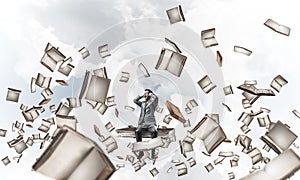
(279, 137)
(219, 59)
(283, 166)
(278, 82)
(206, 84)
(175, 15)
(51, 57)
(101, 72)
(94, 88)
(71, 155)
(277, 27)
(242, 50)
(210, 132)
(124, 77)
(175, 112)
(13, 95)
(84, 52)
(171, 61)
(103, 51)
(208, 38)
(253, 90)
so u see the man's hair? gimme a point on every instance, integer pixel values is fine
(149, 90)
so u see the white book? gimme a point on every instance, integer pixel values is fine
(43, 82)
(242, 50)
(277, 27)
(175, 14)
(103, 51)
(148, 145)
(209, 132)
(208, 38)
(171, 61)
(13, 95)
(124, 77)
(284, 166)
(84, 52)
(51, 57)
(78, 158)
(66, 70)
(3, 132)
(279, 137)
(94, 88)
(278, 82)
(181, 169)
(206, 84)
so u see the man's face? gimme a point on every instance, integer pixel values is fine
(146, 94)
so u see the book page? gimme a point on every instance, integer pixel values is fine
(67, 149)
(90, 167)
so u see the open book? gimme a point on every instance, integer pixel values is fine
(279, 137)
(94, 88)
(171, 61)
(73, 156)
(175, 112)
(210, 132)
(208, 38)
(175, 14)
(281, 167)
(277, 27)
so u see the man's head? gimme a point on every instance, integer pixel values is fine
(147, 93)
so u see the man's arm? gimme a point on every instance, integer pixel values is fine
(137, 100)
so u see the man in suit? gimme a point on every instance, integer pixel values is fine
(147, 119)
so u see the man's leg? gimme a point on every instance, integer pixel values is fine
(138, 136)
(153, 131)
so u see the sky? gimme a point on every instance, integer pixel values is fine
(27, 26)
